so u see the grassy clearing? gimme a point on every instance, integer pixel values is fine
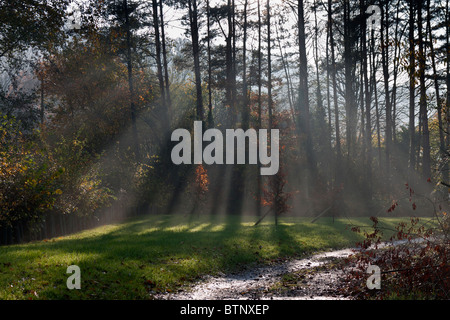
(152, 254)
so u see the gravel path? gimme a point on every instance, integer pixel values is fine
(313, 278)
(316, 281)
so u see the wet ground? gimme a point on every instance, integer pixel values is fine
(313, 278)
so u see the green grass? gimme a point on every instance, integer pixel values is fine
(150, 254)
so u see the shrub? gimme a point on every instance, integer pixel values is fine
(29, 180)
(415, 265)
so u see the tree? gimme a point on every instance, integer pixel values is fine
(367, 102)
(168, 99)
(303, 112)
(423, 112)
(412, 84)
(439, 102)
(30, 23)
(162, 86)
(447, 46)
(269, 67)
(209, 35)
(259, 114)
(245, 111)
(338, 167)
(349, 67)
(193, 21)
(125, 19)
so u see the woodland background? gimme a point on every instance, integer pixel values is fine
(90, 92)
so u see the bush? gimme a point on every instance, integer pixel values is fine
(29, 182)
(415, 265)
(39, 182)
(82, 190)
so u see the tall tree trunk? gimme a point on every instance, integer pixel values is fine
(439, 102)
(285, 66)
(239, 172)
(375, 91)
(338, 168)
(303, 121)
(234, 63)
(168, 99)
(208, 22)
(362, 130)
(259, 123)
(330, 134)
(367, 95)
(384, 31)
(245, 110)
(130, 80)
(259, 66)
(397, 53)
(269, 82)
(158, 60)
(193, 19)
(426, 158)
(229, 100)
(269, 67)
(447, 105)
(412, 89)
(235, 197)
(419, 141)
(350, 105)
(316, 61)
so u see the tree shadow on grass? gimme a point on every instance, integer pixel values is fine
(157, 253)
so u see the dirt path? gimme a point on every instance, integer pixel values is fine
(311, 278)
(314, 278)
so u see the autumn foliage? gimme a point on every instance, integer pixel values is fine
(28, 180)
(38, 185)
(414, 263)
